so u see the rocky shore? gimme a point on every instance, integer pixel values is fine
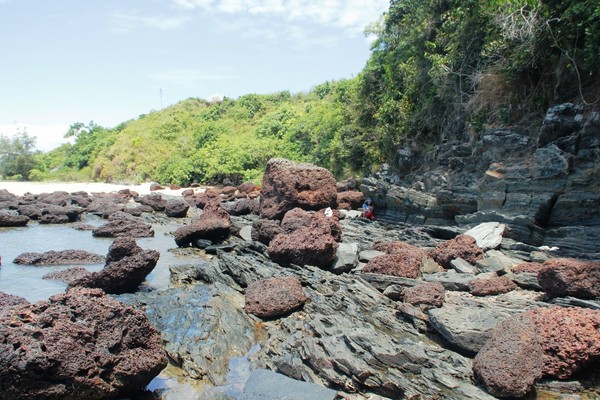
(290, 278)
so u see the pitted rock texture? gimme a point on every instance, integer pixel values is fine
(462, 246)
(8, 219)
(298, 218)
(176, 208)
(264, 230)
(491, 286)
(405, 264)
(122, 224)
(568, 277)
(350, 200)
(214, 224)
(62, 257)
(427, 294)
(82, 344)
(274, 297)
(287, 185)
(127, 266)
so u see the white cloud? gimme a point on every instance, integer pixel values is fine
(352, 16)
(188, 77)
(123, 23)
(48, 137)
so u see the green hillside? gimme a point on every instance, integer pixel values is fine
(440, 70)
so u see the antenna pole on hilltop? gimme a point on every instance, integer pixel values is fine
(161, 104)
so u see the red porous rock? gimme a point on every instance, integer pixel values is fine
(511, 361)
(79, 345)
(528, 267)
(287, 185)
(8, 219)
(68, 275)
(570, 339)
(8, 301)
(298, 218)
(430, 294)
(214, 224)
(350, 200)
(154, 200)
(569, 277)
(176, 208)
(127, 266)
(491, 286)
(462, 246)
(124, 224)
(62, 257)
(405, 263)
(264, 230)
(309, 245)
(274, 297)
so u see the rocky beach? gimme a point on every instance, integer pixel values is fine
(479, 279)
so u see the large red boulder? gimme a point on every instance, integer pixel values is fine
(310, 245)
(350, 200)
(298, 218)
(127, 266)
(287, 185)
(544, 342)
(568, 277)
(79, 345)
(274, 297)
(462, 246)
(511, 361)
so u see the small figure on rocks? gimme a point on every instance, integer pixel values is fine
(368, 210)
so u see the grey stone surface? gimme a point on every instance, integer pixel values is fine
(346, 258)
(268, 385)
(451, 280)
(488, 235)
(463, 267)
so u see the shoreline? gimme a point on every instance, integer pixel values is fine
(20, 188)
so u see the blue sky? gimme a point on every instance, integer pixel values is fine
(66, 61)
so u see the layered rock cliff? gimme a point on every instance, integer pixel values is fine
(543, 183)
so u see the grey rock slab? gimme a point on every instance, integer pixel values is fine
(465, 327)
(266, 385)
(246, 233)
(368, 255)
(496, 261)
(346, 258)
(488, 235)
(463, 267)
(451, 280)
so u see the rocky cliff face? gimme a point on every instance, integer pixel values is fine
(544, 184)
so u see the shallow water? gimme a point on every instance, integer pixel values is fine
(26, 281)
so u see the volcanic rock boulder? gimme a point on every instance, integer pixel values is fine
(310, 245)
(8, 219)
(214, 224)
(402, 259)
(491, 286)
(429, 294)
(176, 208)
(568, 277)
(8, 301)
(298, 218)
(154, 200)
(350, 200)
(62, 257)
(264, 230)
(274, 297)
(127, 265)
(462, 246)
(287, 185)
(122, 224)
(544, 342)
(82, 344)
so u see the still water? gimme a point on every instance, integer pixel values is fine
(26, 281)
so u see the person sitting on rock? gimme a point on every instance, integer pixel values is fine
(369, 210)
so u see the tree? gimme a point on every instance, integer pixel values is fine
(17, 155)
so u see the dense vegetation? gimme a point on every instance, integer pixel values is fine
(439, 70)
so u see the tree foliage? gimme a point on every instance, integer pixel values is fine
(17, 156)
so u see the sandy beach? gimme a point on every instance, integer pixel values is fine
(20, 188)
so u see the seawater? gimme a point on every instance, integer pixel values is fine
(26, 281)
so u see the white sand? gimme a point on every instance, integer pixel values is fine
(20, 188)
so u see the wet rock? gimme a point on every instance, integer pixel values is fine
(53, 214)
(68, 275)
(154, 200)
(176, 208)
(122, 224)
(274, 297)
(8, 219)
(81, 344)
(127, 266)
(268, 385)
(510, 363)
(106, 206)
(569, 277)
(203, 327)
(462, 246)
(30, 210)
(264, 230)
(287, 185)
(62, 257)
(404, 264)
(491, 286)
(427, 294)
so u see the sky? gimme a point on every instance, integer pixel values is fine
(67, 61)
